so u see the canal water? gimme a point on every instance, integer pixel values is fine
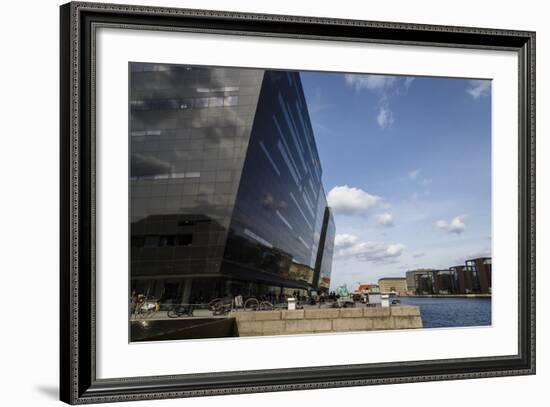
(452, 312)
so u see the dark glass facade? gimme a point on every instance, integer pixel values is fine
(323, 265)
(225, 184)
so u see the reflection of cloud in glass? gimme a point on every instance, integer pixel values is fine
(146, 166)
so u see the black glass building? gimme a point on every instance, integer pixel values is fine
(226, 195)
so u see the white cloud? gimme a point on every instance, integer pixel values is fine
(414, 174)
(351, 201)
(456, 225)
(479, 88)
(385, 117)
(386, 87)
(441, 224)
(416, 255)
(344, 240)
(349, 246)
(373, 251)
(385, 219)
(370, 82)
(408, 82)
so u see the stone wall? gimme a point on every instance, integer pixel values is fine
(318, 320)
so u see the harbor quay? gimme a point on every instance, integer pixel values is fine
(308, 320)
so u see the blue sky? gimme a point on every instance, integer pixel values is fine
(407, 169)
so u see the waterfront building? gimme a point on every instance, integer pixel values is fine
(367, 288)
(480, 270)
(462, 279)
(424, 283)
(412, 279)
(393, 285)
(226, 195)
(473, 277)
(442, 282)
(455, 283)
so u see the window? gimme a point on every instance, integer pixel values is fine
(222, 89)
(291, 126)
(146, 133)
(201, 102)
(215, 101)
(166, 241)
(257, 238)
(166, 104)
(301, 211)
(282, 139)
(184, 240)
(151, 241)
(162, 241)
(137, 241)
(231, 101)
(288, 164)
(186, 103)
(270, 159)
(303, 242)
(283, 220)
(140, 104)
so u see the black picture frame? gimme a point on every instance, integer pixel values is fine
(78, 382)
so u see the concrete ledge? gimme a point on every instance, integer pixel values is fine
(411, 322)
(383, 323)
(316, 313)
(272, 327)
(298, 326)
(297, 314)
(247, 328)
(404, 311)
(352, 324)
(321, 325)
(314, 320)
(376, 312)
(266, 315)
(351, 313)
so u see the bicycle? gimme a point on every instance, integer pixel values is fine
(145, 309)
(220, 306)
(266, 306)
(251, 304)
(180, 310)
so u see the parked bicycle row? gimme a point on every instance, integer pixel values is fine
(143, 306)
